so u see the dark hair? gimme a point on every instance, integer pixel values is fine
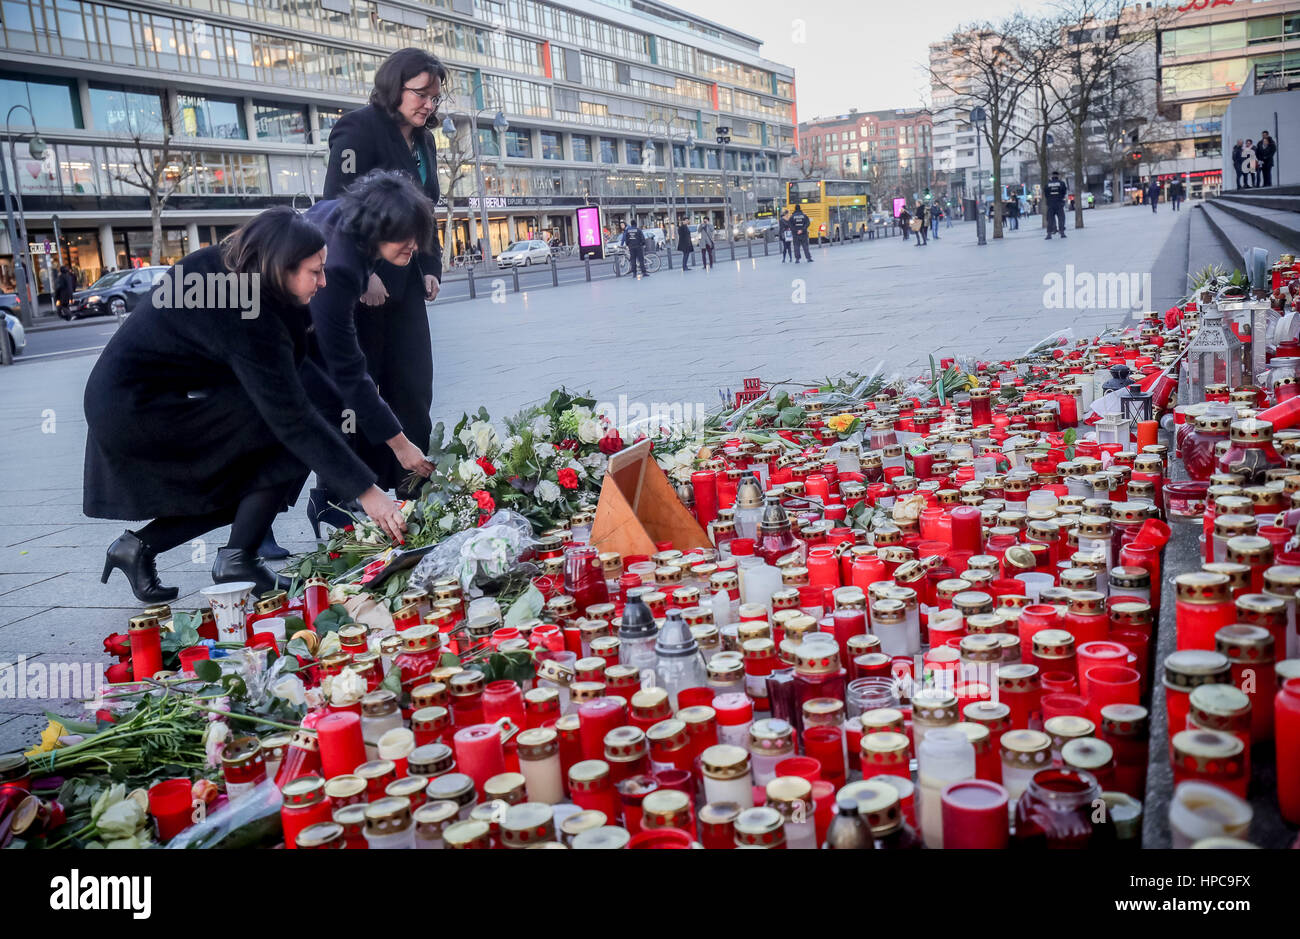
(271, 245)
(386, 205)
(398, 69)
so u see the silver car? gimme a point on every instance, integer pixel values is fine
(525, 254)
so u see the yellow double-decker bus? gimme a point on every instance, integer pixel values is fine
(830, 204)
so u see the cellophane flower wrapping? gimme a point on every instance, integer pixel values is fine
(486, 553)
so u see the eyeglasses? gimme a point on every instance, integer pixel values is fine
(429, 99)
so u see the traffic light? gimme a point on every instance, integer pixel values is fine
(1136, 156)
(928, 197)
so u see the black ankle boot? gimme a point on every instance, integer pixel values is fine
(133, 558)
(270, 549)
(236, 564)
(319, 510)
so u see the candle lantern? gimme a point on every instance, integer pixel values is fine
(1214, 357)
(1136, 405)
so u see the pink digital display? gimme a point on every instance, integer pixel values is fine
(589, 226)
(899, 205)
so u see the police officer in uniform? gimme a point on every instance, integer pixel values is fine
(799, 225)
(634, 239)
(1056, 191)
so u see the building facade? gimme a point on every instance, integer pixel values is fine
(892, 148)
(1205, 55)
(599, 95)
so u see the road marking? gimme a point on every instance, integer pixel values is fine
(42, 355)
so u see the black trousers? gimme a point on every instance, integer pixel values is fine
(706, 255)
(1056, 219)
(1266, 172)
(785, 249)
(686, 258)
(637, 257)
(399, 355)
(801, 241)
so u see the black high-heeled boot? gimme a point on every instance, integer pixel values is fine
(235, 564)
(270, 549)
(133, 558)
(320, 511)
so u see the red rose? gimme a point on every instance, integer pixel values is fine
(119, 673)
(486, 466)
(611, 443)
(568, 478)
(485, 501)
(118, 644)
(568, 444)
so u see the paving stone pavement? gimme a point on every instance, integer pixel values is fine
(676, 336)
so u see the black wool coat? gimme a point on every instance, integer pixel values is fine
(190, 407)
(368, 139)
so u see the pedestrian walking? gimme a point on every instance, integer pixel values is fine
(684, 244)
(197, 416)
(633, 238)
(947, 217)
(934, 212)
(706, 244)
(1237, 158)
(799, 223)
(1177, 193)
(1153, 194)
(64, 286)
(905, 224)
(1055, 192)
(786, 234)
(1266, 153)
(920, 226)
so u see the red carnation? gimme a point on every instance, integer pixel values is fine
(611, 443)
(568, 444)
(486, 466)
(485, 501)
(567, 478)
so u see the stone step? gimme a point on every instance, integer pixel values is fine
(1238, 233)
(1282, 225)
(1263, 200)
(1204, 247)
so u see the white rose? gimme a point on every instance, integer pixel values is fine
(589, 431)
(684, 458)
(543, 451)
(471, 474)
(347, 688)
(547, 491)
(666, 462)
(290, 688)
(485, 436)
(541, 426)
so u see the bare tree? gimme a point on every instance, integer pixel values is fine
(457, 163)
(1103, 42)
(155, 166)
(996, 77)
(1042, 51)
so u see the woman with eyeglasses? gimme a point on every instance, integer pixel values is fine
(392, 133)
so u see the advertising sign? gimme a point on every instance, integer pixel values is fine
(590, 243)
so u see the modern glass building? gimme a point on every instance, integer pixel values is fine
(1205, 57)
(231, 101)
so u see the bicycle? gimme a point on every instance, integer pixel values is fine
(623, 262)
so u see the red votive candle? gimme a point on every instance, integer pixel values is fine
(1020, 689)
(1286, 728)
(1094, 654)
(975, 815)
(705, 485)
(480, 754)
(1059, 683)
(1111, 684)
(1057, 705)
(146, 647)
(967, 533)
(170, 804)
(848, 623)
(342, 747)
(596, 718)
(826, 745)
(504, 699)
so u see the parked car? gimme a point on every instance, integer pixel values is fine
(115, 294)
(13, 325)
(525, 254)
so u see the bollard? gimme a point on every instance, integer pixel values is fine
(670, 259)
(732, 242)
(555, 274)
(749, 247)
(469, 273)
(766, 241)
(587, 264)
(514, 275)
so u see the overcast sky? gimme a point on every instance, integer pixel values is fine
(864, 54)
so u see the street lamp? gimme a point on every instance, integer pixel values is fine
(24, 274)
(499, 124)
(977, 116)
(724, 138)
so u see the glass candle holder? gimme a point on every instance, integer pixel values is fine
(1055, 811)
(944, 756)
(1200, 810)
(1209, 756)
(975, 815)
(1024, 753)
(727, 775)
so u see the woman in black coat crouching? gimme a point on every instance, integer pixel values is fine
(196, 411)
